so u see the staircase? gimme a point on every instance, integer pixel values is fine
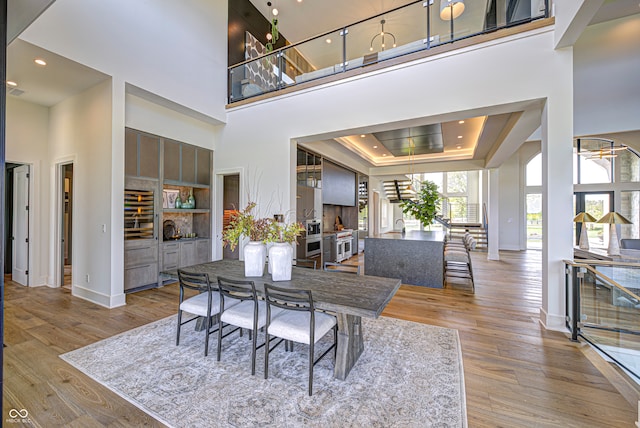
(477, 230)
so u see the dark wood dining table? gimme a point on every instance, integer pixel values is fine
(350, 297)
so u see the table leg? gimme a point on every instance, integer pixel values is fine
(350, 344)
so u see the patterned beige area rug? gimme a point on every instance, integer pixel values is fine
(409, 375)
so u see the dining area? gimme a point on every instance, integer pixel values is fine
(303, 309)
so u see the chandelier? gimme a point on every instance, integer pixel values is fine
(382, 35)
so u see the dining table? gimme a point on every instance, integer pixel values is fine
(350, 297)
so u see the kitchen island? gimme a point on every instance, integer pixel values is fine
(415, 257)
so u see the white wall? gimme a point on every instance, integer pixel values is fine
(510, 211)
(175, 49)
(158, 120)
(607, 87)
(80, 130)
(26, 137)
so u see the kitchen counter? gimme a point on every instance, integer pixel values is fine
(415, 257)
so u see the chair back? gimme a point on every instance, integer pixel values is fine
(338, 267)
(285, 298)
(236, 289)
(194, 281)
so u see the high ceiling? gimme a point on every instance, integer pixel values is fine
(62, 78)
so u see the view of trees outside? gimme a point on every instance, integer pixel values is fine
(534, 221)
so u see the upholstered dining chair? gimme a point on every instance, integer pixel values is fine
(339, 267)
(205, 304)
(240, 307)
(298, 321)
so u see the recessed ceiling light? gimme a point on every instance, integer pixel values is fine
(461, 121)
(459, 147)
(362, 135)
(375, 147)
(11, 83)
(459, 136)
(384, 154)
(328, 41)
(40, 61)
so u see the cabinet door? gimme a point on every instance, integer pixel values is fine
(149, 156)
(202, 251)
(139, 276)
(171, 160)
(188, 164)
(130, 152)
(187, 253)
(203, 166)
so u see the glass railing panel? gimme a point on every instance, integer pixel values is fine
(319, 57)
(416, 26)
(390, 35)
(466, 23)
(609, 312)
(254, 77)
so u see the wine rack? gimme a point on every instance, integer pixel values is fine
(139, 221)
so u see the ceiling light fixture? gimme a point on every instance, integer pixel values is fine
(451, 9)
(382, 35)
(375, 147)
(459, 136)
(274, 35)
(461, 122)
(40, 61)
(12, 83)
(328, 41)
(362, 135)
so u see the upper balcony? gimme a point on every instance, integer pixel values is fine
(401, 34)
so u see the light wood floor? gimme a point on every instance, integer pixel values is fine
(516, 373)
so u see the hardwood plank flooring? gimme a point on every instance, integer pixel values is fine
(517, 374)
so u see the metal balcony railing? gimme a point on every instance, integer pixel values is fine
(420, 25)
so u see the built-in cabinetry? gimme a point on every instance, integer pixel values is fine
(329, 248)
(187, 252)
(180, 237)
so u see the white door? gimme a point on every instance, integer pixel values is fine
(20, 263)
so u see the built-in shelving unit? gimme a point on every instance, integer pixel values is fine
(154, 164)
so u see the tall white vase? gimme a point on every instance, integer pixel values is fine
(280, 261)
(255, 256)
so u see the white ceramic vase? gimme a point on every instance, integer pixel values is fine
(255, 256)
(280, 261)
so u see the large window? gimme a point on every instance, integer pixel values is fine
(533, 172)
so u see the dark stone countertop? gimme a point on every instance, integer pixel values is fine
(413, 235)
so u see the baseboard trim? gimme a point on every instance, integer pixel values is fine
(101, 299)
(552, 321)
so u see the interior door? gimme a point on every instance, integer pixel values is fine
(20, 240)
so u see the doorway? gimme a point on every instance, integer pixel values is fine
(66, 226)
(230, 203)
(17, 222)
(597, 204)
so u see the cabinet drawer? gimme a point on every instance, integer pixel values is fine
(141, 255)
(171, 246)
(170, 259)
(140, 275)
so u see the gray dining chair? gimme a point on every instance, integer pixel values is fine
(297, 320)
(240, 307)
(339, 267)
(205, 304)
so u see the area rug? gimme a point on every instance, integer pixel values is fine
(409, 375)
